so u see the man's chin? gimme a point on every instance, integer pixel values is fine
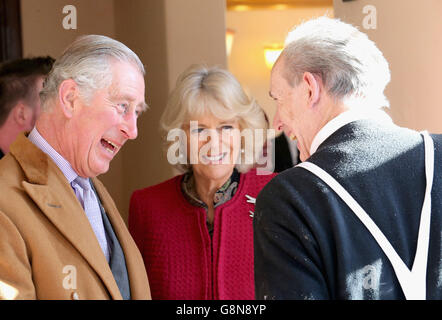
(98, 169)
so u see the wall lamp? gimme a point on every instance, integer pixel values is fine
(230, 34)
(271, 53)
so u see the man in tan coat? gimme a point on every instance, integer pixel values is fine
(61, 236)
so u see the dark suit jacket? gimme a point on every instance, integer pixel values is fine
(48, 249)
(309, 245)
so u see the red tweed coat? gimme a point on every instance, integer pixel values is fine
(181, 259)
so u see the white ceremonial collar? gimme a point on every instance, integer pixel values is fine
(345, 118)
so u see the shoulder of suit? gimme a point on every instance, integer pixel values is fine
(294, 177)
(437, 138)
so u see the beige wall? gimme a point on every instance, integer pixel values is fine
(408, 32)
(42, 28)
(168, 35)
(141, 25)
(253, 30)
(195, 34)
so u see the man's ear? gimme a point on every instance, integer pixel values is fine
(21, 114)
(313, 84)
(67, 94)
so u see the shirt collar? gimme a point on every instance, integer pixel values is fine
(65, 167)
(345, 118)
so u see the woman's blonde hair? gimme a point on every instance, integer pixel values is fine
(201, 90)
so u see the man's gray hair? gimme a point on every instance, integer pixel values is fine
(87, 61)
(349, 64)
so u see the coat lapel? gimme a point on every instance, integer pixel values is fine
(48, 188)
(139, 285)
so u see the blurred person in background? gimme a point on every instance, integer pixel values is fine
(21, 81)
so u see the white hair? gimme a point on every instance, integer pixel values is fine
(87, 61)
(348, 62)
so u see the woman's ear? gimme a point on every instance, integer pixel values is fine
(313, 84)
(67, 94)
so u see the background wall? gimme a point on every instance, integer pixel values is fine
(168, 36)
(141, 26)
(42, 29)
(253, 30)
(195, 33)
(408, 32)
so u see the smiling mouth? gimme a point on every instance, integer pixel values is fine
(109, 146)
(215, 158)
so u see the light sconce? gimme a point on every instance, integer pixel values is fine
(271, 53)
(241, 7)
(230, 34)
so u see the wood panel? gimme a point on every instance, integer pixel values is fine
(10, 30)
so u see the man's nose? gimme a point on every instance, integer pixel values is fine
(129, 126)
(277, 124)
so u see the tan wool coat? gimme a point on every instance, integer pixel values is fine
(48, 249)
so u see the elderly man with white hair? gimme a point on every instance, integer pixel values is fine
(360, 218)
(61, 236)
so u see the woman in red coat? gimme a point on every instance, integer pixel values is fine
(195, 230)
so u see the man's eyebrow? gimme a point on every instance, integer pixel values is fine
(143, 106)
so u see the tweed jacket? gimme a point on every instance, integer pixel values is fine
(48, 249)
